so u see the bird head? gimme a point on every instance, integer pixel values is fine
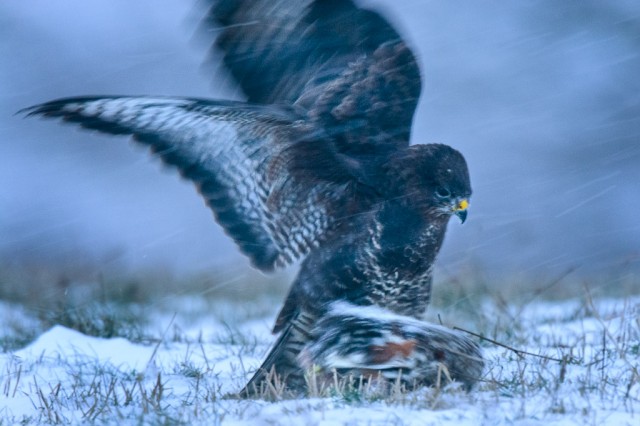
(438, 178)
(449, 202)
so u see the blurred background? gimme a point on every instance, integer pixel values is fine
(542, 97)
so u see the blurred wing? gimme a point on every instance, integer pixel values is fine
(369, 342)
(243, 160)
(372, 341)
(281, 366)
(346, 66)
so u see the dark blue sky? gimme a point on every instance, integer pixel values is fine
(542, 97)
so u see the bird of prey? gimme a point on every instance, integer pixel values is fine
(316, 165)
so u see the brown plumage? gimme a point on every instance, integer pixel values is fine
(317, 166)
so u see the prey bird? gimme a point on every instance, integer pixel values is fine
(317, 166)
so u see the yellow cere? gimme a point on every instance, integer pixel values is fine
(463, 205)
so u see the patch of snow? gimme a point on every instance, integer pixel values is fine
(62, 374)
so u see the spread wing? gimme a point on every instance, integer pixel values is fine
(347, 67)
(332, 88)
(271, 180)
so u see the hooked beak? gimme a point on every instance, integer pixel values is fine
(460, 210)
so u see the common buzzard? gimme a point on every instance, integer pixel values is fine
(317, 166)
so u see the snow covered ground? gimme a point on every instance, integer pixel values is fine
(194, 352)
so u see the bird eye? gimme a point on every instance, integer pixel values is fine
(443, 192)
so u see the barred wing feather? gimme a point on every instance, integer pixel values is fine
(347, 67)
(244, 160)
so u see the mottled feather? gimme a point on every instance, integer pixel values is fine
(316, 166)
(241, 158)
(346, 66)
